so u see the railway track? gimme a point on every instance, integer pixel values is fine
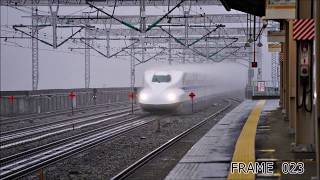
(144, 160)
(33, 116)
(18, 156)
(25, 162)
(31, 160)
(29, 134)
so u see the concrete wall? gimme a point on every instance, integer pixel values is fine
(27, 102)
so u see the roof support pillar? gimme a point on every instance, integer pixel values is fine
(292, 74)
(316, 84)
(305, 138)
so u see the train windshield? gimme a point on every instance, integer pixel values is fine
(161, 78)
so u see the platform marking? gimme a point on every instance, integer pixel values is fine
(266, 150)
(245, 146)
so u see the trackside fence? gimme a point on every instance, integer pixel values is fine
(42, 101)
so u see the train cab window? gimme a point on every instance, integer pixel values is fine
(161, 78)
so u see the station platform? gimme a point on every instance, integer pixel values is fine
(252, 132)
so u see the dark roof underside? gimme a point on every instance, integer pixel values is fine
(254, 7)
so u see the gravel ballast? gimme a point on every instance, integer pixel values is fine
(107, 159)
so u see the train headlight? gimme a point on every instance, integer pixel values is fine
(171, 97)
(143, 96)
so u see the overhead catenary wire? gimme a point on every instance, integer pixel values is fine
(73, 52)
(191, 9)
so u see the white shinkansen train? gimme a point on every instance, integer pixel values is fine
(169, 88)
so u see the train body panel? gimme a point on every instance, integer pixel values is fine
(168, 89)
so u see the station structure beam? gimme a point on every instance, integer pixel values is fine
(164, 39)
(316, 85)
(215, 40)
(35, 50)
(120, 31)
(186, 11)
(87, 59)
(132, 75)
(176, 31)
(53, 20)
(135, 20)
(102, 3)
(299, 69)
(187, 25)
(169, 48)
(143, 27)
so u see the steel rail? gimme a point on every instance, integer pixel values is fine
(132, 168)
(29, 152)
(33, 116)
(5, 133)
(65, 120)
(37, 161)
(31, 135)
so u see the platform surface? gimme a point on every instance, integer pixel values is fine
(210, 157)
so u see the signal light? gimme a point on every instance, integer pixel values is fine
(254, 64)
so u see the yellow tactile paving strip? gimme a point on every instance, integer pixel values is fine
(245, 147)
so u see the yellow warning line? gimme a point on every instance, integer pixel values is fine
(282, 7)
(245, 147)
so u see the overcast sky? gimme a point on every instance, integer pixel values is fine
(61, 68)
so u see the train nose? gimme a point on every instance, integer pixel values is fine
(171, 97)
(143, 97)
(159, 98)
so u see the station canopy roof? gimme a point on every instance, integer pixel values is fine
(254, 7)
